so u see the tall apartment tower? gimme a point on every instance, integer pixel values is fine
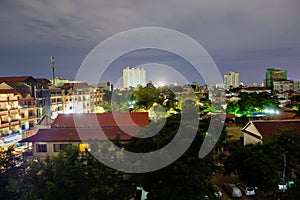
(232, 79)
(134, 76)
(274, 74)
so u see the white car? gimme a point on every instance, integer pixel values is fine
(282, 186)
(248, 191)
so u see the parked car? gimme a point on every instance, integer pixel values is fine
(232, 190)
(248, 191)
(282, 186)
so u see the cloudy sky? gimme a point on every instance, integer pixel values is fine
(243, 36)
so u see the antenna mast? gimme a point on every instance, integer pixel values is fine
(53, 69)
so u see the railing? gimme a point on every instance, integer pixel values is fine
(3, 112)
(14, 111)
(14, 122)
(4, 123)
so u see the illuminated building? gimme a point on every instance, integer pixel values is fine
(274, 74)
(133, 77)
(232, 79)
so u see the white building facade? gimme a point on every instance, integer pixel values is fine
(133, 77)
(232, 79)
(284, 85)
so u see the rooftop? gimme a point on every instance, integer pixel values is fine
(113, 119)
(268, 128)
(81, 134)
(17, 79)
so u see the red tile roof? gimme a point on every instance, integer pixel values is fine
(256, 88)
(81, 134)
(16, 79)
(101, 119)
(268, 128)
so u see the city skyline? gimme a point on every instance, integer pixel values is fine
(245, 38)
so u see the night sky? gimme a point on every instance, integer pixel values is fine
(242, 36)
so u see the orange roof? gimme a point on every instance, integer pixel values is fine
(80, 134)
(101, 119)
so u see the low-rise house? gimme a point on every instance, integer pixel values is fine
(257, 131)
(80, 129)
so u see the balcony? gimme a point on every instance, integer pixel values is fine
(14, 110)
(13, 99)
(3, 112)
(4, 123)
(14, 122)
(3, 99)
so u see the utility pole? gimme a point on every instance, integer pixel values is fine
(284, 166)
(53, 69)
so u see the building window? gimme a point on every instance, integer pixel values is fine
(60, 147)
(83, 147)
(41, 147)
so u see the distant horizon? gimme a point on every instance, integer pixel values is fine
(243, 37)
(157, 82)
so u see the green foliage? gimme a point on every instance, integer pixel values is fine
(70, 175)
(186, 178)
(252, 103)
(205, 108)
(146, 96)
(8, 170)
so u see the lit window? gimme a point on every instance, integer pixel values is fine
(83, 147)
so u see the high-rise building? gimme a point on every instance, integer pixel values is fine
(232, 79)
(274, 74)
(133, 77)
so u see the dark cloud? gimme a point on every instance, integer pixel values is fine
(245, 36)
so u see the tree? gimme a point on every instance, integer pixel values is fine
(186, 178)
(252, 103)
(9, 163)
(146, 96)
(70, 175)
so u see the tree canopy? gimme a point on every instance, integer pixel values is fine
(252, 103)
